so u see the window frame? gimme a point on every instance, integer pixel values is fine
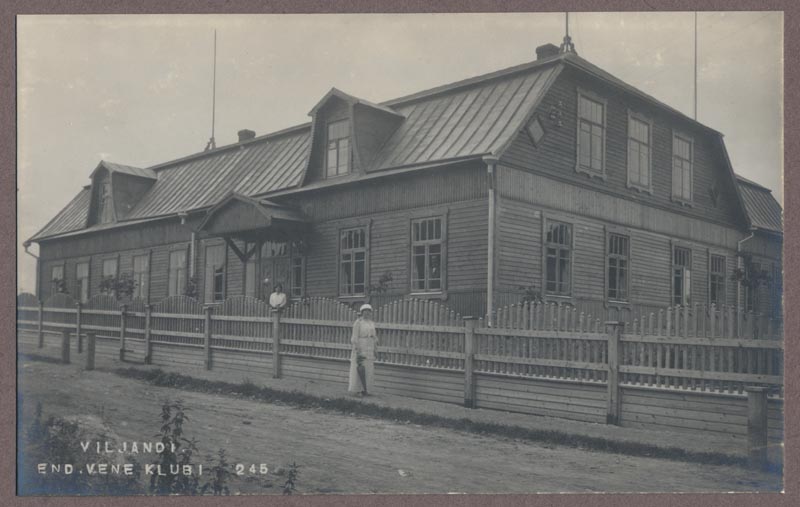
(546, 221)
(367, 229)
(136, 288)
(608, 256)
(673, 266)
(103, 274)
(61, 266)
(349, 153)
(442, 242)
(88, 278)
(180, 290)
(213, 300)
(636, 116)
(681, 199)
(294, 293)
(579, 168)
(724, 280)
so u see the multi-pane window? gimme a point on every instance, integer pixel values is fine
(177, 272)
(754, 274)
(109, 271)
(251, 281)
(215, 273)
(298, 276)
(558, 258)
(618, 267)
(591, 135)
(716, 280)
(56, 279)
(681, 276)
(141, 276)
(427, 238)
(338, 155)
(353, 262)
(681, 168)
(638, 153)
(82, 280)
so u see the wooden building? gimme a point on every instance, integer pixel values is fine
(552, 179)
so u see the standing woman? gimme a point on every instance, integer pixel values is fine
(362, 357)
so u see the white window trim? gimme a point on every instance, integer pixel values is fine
(443, 252)
(711, 252)
(545, 294)
(578, 167)
(677, 198)
(609, 230)
(644, 119)
(367, 226)
(350, 150)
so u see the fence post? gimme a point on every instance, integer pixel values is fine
(78, 327)
(65, 346)
(614, 349)
(207, 338)
(148, 310)
(757, 426)
(90, 344)
(469, 354)
(276, 343)
(41, 324)
(122, 319)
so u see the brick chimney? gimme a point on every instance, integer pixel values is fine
(546, 51)
(246, 135)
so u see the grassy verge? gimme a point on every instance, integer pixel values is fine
(348, 406)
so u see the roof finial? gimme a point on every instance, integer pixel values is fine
(567, 46)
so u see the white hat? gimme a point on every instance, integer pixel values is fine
(364, 307)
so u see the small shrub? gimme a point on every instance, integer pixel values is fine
(291, 479)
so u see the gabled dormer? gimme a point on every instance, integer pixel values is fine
(347, 133)
(115, 190)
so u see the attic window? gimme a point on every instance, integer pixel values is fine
(104, 211)
(535, 131)
(338, 154)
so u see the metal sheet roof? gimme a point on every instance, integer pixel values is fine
(127, 169)
(479, 119)
(72, 217)
(762, 208)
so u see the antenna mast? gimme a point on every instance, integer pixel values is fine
(695, 65)
(567, 46)
(211, 142)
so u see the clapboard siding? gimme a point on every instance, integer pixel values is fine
(569, 400)
(422, 383)
(556, 153)
(520, 236)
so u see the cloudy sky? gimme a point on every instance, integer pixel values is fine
(137, 89)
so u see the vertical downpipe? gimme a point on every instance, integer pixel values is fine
(491, 168)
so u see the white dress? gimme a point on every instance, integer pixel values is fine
(364, 341)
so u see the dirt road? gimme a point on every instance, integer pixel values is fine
(353, 454)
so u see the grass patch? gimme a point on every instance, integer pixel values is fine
(347, 406)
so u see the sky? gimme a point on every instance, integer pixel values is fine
(137, 90)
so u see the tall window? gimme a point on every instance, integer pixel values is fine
(681, 168)
(56, 279)
(338, 159)
(558, 258)
(751, 294)
(251, 281)
(638, 153)
(104, 210)
(298, 276)
(353, 262)
(618, 267)
(716, 280)
(141, 276)
(215, 274)
(109, 271)
(591, 135)
(426, 254)
(82, 279)
(681, 276)
(177, 273)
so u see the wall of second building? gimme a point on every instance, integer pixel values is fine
(386, 206)
(527, 200)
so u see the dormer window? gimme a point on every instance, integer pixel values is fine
(338, 154)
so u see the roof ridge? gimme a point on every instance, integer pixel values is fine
(752, 183)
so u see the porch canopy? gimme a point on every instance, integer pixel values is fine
(238, 217)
